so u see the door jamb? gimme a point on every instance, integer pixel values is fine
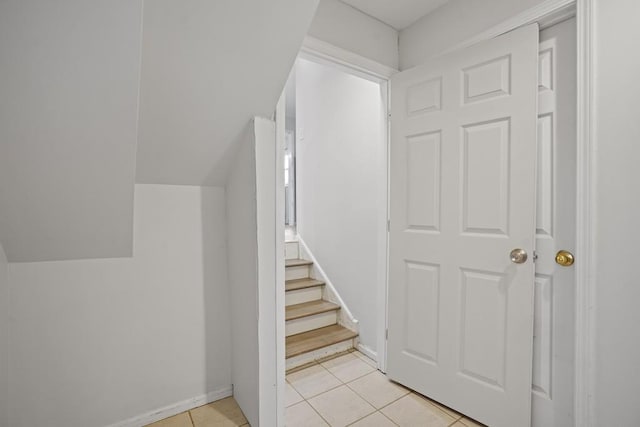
(325, 53)
(545, 14)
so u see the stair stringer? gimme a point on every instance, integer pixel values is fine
(345, 317)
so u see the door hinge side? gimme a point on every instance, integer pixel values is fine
(388, 225)
(386, 334)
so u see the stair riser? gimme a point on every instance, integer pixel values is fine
(298, 272)
(303, 295)
(291, 250)
(303, 359)
(308, 323)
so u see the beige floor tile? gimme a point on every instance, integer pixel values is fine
(366, 359)
(302, 414)
(291, 396)
(466, 422)
(312, 381)
(180, 420)
(376, 389)
(223, 413)
(374, 420)
(347, 367)
(443, 408)
(416, 411)
(341, 406)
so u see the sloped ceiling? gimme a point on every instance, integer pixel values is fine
(208, 67)
(74, 102)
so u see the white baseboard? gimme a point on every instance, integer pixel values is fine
(367, 352)
(174, 409)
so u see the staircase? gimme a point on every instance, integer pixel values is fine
(312, 323)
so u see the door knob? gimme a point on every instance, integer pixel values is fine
(518, 256)
(564, 258)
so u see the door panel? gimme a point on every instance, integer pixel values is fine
(552, 388)
(462, 196)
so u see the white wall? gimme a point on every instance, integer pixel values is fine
(68, 125)
(617, 89)
(242, 255)
(339, 162)
(208, 67)
(341, 25)
(453, 23)
(95, 342)
(4, 339)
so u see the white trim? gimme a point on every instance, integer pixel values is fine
(586, 209)
(367, 351)
(335, 55)
(345, 317)
(545, 14)
(319, 51)
(174, 409)
(268, 262)
(279, 230)
(383, 236)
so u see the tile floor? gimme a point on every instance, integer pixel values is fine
(348, 390)
(222, 413)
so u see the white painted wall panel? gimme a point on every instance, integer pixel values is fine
(68, 126)
(242, 255)
(95, 342)
(339, 162)
(453, 23)
(617, 341)
(343, 26)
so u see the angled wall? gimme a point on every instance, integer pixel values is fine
(68, 124)
(209, 67)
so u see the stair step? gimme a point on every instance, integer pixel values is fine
(297, 262)
(318, 338)
(311, 308)
(295, 284)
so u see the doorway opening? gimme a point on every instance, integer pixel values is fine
(335, 166)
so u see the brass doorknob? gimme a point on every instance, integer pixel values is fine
(564, 258)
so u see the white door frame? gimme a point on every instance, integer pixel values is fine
(546, 14)
(321, 52)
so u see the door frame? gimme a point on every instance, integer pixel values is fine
(546, 14)
(324, 53)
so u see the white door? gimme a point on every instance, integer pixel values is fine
(462, 197)
(553, 347)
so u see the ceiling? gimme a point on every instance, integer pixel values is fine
(397, 13)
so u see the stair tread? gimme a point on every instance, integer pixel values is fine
(317, 338)
(295, 284)
(297, 262)
(310, 308)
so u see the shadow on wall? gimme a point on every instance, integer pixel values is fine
(216, 322)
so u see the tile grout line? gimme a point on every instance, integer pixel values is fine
(377, 409)
(191, 418)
